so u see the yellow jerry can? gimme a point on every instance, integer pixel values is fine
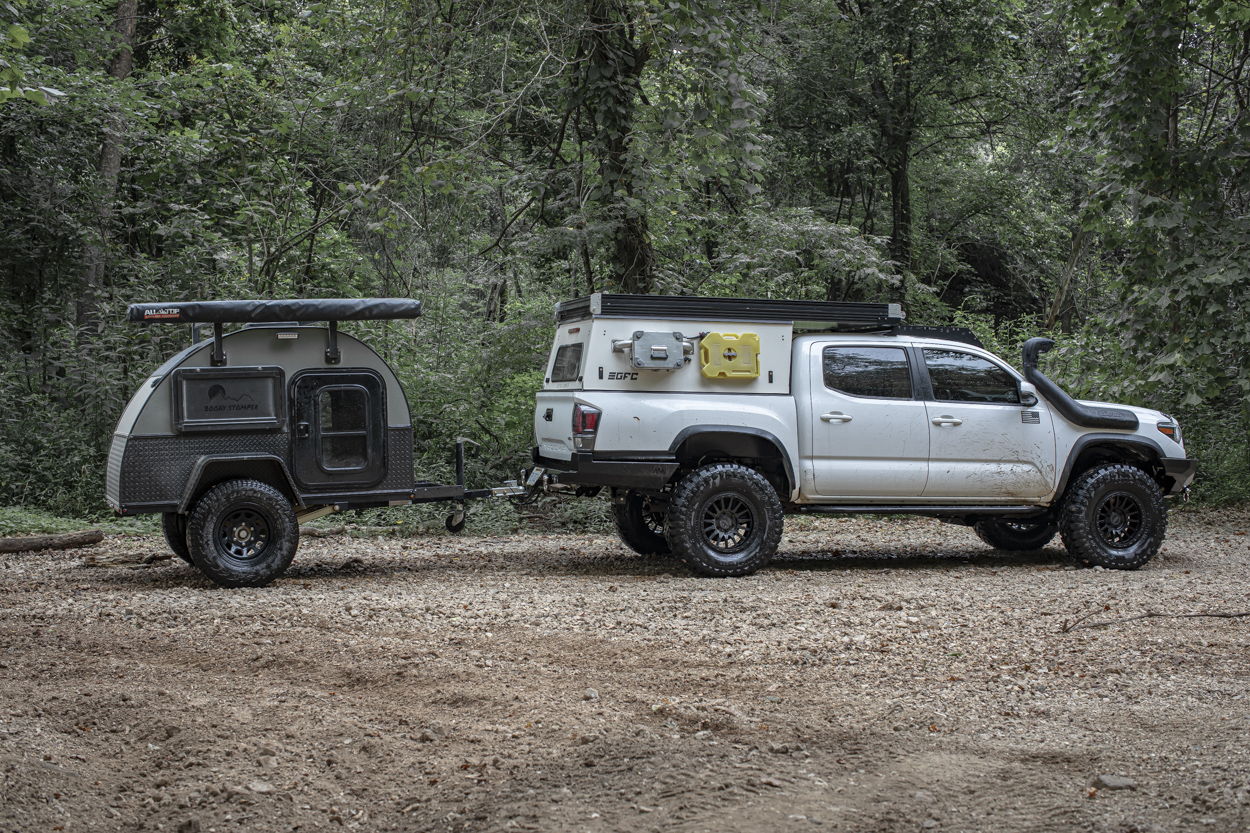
(730, 355)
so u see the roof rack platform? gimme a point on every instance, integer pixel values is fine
(807, 314)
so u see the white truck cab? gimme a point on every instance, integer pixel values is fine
(710, 418)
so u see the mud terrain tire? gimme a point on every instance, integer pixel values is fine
(174, 525)
(1019, 536)
(724, 520)
(1114, 517)
(640, 530)
(243, 533)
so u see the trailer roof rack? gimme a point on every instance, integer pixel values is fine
(292, 310)
(807, 314)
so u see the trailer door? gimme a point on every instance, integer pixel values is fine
(339, 431)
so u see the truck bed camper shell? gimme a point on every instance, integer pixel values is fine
(286, 402)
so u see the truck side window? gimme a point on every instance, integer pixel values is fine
(567, 364)
(343, 413)
(963, 377)
(879, 372)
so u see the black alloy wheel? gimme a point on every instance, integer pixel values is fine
(1018, 536)
(1114, 517)
(724, 520)
(639, 523)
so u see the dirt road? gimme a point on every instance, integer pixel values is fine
(879, 676)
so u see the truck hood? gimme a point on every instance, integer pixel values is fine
(1143, 414)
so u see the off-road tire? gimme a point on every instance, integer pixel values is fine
(1113, 517)
(1017, 536)
(733, 495)
(243, 533)
(174, 525)
(640, 530)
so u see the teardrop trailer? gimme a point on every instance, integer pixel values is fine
(237, 440)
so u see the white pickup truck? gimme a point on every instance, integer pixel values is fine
(711, 418)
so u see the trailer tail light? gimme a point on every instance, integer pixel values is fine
(585, 426)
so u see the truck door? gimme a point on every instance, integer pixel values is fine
(339, 431)
(982, 441)
(870, 435)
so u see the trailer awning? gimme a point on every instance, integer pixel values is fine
(294, 310)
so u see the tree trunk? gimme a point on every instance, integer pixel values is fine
(618, 62)
(110, 160)
(900, 206)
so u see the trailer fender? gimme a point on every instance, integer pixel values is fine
(209, 470)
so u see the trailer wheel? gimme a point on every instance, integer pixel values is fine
(724, 520)
(640, 527)
(455, 523)
(174, 525)
(243, 533)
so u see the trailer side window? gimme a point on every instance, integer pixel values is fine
(343, 413)
(568, 363)
(877, 372)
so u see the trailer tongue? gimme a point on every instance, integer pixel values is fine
(237, 440)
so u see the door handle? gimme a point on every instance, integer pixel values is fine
(301, 429)
(947, 420)
(836, 416)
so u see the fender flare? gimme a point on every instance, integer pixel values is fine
(758, 433)
(1147, 444)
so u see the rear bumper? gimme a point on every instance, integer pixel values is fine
(583, 469)
(1178, 473)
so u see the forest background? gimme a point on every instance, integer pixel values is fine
(1069, 167)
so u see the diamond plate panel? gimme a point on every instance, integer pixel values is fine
(156, 469)
(399, 460)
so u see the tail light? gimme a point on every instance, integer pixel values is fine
(585, 425)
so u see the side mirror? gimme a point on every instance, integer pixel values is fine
(1028, 395)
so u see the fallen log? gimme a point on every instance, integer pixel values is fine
(67, 541)
(317, 532)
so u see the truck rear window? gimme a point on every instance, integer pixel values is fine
(876, 372)
(567, 364)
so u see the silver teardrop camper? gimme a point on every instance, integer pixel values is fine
(237, 440)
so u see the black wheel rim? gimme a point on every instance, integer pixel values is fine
(243, 533)
(1119, 520)
(653, 520)
(728, 523)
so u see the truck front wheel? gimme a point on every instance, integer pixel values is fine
(640, 526)
(243, 533)
(724, 520)
(1114, 517)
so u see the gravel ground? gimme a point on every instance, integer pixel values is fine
(881, 675)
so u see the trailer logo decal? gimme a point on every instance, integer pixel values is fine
(621, 374)
(162, 312)
(236, 402)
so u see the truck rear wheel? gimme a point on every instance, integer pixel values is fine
(1114, 517)
(1016, 535)
(724, 520)
(174, 525)
(243, 533)
(640, 527)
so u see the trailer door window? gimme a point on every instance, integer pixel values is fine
(343, 414)
(568, 363)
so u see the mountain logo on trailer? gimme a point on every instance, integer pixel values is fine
(218, 392)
